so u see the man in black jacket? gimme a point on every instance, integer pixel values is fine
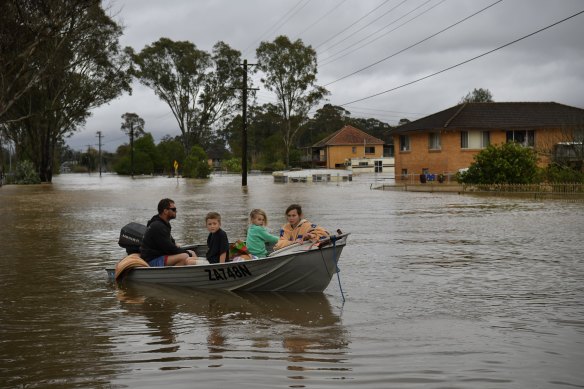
(158, 247)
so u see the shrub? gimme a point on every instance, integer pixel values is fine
(559, 173)
(196, 165)
(26, 174)
(232, 165)
(509, 163)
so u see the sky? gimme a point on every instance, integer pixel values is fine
(383, 59)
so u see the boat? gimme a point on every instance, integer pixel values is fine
(306, 267)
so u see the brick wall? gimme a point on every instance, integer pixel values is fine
(450, 158)
(338, 154)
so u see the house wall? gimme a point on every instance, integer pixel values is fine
(367, 165)
(339, 154)
(546, 140)
(450, 158)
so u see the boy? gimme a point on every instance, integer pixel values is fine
(217, 240)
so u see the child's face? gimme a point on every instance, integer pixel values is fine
(213, 225)
(293, 217)
(258, 220)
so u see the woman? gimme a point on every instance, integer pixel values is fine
(298, 229)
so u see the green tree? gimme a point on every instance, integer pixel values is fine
(170, 150)
(32, 33)
(508, 163)
(133, 126)
(477, 96)
(26, 174)
(196, 164)
(561, 173)
(264, 135)
(80, 73)
(200, 88)
(147, 159)
(289, 70)
(233, 165)
(326, 120)
(146, 145)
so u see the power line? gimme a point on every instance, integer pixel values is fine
(414, 45)
(464, 62)
(369, 24)
(283, 20)
(329, 60)
(351, 25)
(322, 17)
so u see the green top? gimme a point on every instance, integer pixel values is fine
(257, 237)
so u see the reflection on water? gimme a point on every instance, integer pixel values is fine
(442, 291)
(215, 329)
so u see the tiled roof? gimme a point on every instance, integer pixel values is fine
(498, 116)
(348, 135)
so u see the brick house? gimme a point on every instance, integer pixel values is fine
(444, 142)
(337, 149)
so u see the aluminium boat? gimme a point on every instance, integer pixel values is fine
(303, 267)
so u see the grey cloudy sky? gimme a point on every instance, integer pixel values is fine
(350, 35)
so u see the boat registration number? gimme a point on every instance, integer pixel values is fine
(233, 272)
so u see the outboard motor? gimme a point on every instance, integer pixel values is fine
(131, 237)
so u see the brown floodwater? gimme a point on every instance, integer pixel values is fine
(442, 291)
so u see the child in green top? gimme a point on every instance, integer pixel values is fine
(258, 235)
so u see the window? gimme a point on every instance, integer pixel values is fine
(354, 150)
(523, 137)
(369, 149)
(404, 143)
(475, 139)
(363, 164)
(434, 141)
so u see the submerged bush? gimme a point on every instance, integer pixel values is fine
(26, 174)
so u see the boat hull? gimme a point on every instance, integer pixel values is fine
(298, 269)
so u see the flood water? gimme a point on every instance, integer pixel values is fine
(442, 291)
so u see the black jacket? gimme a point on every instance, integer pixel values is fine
(158, 241)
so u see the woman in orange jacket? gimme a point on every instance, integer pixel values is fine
(298, 229)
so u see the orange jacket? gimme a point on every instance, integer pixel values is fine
(289, 235)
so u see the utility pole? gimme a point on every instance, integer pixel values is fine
(99, 153)
(244, 127)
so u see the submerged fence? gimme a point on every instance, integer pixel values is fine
(544, 190)
(571, 191)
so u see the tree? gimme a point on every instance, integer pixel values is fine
(477, 96)
(83, 71)
(170, 150)
(146, 157)
(196, 165)
(133, 126)
(508, 163)
(199, 88)
(290, 70)
(32, 32)
(326, 120)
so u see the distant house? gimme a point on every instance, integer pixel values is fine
(215, 155)
(336, 150)
(447, 141)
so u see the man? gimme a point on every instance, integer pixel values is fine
(158, 247)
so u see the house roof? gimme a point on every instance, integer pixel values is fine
(498, 116)
(348, 135)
